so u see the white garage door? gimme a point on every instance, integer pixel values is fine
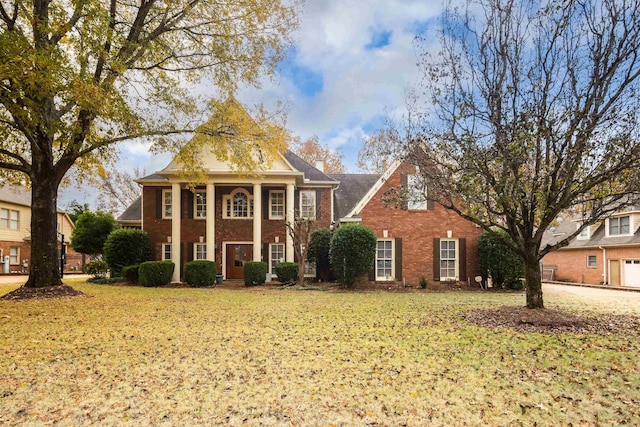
(632, 272)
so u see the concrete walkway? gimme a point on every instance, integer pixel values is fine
(22, 278)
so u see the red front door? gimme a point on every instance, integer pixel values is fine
(237, 255)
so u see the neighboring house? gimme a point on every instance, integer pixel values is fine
(607, 252)
(15, 230)
(247, 219)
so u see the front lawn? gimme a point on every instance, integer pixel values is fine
(141, 356)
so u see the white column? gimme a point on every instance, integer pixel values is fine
(257, 221)
(175, 230)
(289, 220)
(211, 222)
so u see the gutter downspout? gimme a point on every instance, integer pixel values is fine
(604, 265)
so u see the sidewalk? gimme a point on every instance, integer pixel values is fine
(22, 278)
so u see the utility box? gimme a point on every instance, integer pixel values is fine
(5, 270)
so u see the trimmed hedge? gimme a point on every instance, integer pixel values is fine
(126, 246)
(155, 273)
(200, 273)
(130, 273)
(287, 271)
(255, 273)
(98, 269)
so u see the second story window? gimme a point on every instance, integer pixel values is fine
(619, 226)
(417, 193)
(308, 204)
(238, 204)
(276, 202)
(9, 219)
(200, 200)
(166, 203)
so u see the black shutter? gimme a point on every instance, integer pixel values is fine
(318, 204)
(436, 259)
(429, 198)
(190, 251)
(462, 259)
(398, 256)
(404, 180)
(190, 198)
(372, 272)
(159, 203)
(265, 204)
(266, 255)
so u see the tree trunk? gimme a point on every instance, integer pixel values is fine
(45, 262)
(534, 283)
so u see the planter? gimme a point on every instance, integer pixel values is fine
(219, 279)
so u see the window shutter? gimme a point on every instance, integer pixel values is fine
(296, 204)
(190, 202)
(436, 258)
(430, 204)
(398, 255)
(372, 272)
(266, 204)
(159, 203)
(266, 256)
(190, 255)
(318, 204)
(404, 180)
(462, 259)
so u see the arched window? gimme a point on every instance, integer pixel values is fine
(238, 204)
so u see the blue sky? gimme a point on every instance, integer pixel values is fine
(350, 67)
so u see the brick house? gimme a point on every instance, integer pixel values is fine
(605, 253)
(247, 220)
(15, 230)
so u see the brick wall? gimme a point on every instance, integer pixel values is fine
(24, 254)
(571, 264)
(418, 229)
(226, 229)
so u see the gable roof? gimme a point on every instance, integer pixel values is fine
(310, 172)
(19, 195)
(353, 187)
(355, 211)
(597, 236)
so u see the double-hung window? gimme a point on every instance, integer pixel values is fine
(308, 204)
(166, 251)
(200, 251)
(14, 255)
(416, 193)
(276, 256)
(448, 258)
(9, 219)
(4, 218)
(276, 204)
(619, 226)
(591, 261)
(384, 260)
(200, 201)
(167, 203)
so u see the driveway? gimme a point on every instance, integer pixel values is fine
(609, 299)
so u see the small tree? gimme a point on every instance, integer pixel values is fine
(301, 231)
(91, 232)
(126, 246)
(75, 209)
(319, 247)
(496, 256)
(353, 251)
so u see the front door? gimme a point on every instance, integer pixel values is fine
(614, 272)
(237, 255)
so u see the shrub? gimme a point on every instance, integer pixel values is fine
(319, 247)
(353, 251)
(200, 273)
(423, 282)
(494, 255)
(130, 273)
(98, 269)
(287, 271)
(126, 246)
(255, 273)
(155, 273)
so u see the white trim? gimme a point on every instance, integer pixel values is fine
(393, 261)
(595, 261)
(374, 189)
(456, 260)
(17, 256)
(618, 217)
(164, 245)
(195, 204)
(284, 205)
(588, 232)
(195, 251)
(164, 204)
(273, 273)
(228, 198)
(411, 194)
(224, 253)
(315, 203)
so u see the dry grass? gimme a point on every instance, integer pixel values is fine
(135, 356)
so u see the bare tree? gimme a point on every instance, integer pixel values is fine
(311, 150)
(118, 190)
(300, 231)
(379, 150)
(534, 112)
